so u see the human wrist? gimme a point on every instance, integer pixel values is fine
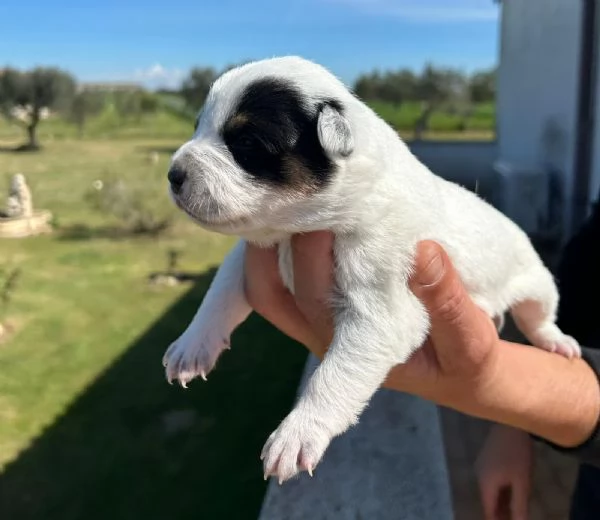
(468, 388)
(539, 392)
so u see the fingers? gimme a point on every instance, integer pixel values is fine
(267, 295)
(519, 506)
(490, 493)
(501, 500)
(504, 473)
(313, 280)
(521, 488)
(457, 324)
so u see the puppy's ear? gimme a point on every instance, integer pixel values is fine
(334, 131)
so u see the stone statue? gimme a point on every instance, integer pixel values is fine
(19, 203)
(17, 218)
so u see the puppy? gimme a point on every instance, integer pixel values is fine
(282, 147)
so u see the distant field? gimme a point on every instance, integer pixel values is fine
(478, 124)
(161, 125)
(174, 121)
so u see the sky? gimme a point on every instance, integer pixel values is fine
(156, 42)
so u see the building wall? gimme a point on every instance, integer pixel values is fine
(538, 86)
(467, 163)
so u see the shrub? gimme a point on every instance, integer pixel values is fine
(135, 209)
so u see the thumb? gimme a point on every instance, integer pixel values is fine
(456, 322)
(312, 256)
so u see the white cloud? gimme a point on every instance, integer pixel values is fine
(427, 10)
(158, 76)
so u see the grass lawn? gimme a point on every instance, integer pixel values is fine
(479, 125)
(89, 428)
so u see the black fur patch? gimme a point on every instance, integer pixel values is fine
(274, 138)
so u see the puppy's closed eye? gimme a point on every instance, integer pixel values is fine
(253, 152)
(245, 142)
(242, 146)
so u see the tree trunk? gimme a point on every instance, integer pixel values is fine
(32, 142)
(422, 124)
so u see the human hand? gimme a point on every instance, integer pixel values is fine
(504, 469)
(453, 363)
(462, 365)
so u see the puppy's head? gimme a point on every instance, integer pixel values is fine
(270, 140)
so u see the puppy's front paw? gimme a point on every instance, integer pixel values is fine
(193, 355)
(297, 445)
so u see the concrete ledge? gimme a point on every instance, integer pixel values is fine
(391, 466)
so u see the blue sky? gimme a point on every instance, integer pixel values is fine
(157, 41)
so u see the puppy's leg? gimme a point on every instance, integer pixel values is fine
(364, 349)
(535, 314)
(224, 307)
(498, 319)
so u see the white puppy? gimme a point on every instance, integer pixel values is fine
(283, 147)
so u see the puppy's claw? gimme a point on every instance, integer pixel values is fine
(203, 375)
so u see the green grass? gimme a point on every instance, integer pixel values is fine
(164, 124)
(478, 125)
(83, 398)
(175, 121)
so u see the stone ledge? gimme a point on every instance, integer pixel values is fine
(390, 466)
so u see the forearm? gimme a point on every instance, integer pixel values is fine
(542, 393)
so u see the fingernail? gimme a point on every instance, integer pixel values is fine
(433, 272)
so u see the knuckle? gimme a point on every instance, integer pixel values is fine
(451, 309)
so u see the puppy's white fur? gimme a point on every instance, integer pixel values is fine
(379, 204)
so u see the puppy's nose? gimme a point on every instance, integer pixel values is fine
(176, 177)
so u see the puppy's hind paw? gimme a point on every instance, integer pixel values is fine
(549, 337)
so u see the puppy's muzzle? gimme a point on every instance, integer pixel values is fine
(177, 177)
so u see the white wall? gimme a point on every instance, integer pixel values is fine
(538, 85)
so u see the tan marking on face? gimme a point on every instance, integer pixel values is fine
(238, 120)
(299, 177)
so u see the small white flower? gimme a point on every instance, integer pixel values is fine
(98, 184)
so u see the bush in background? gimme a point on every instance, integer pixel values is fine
(136, 210)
